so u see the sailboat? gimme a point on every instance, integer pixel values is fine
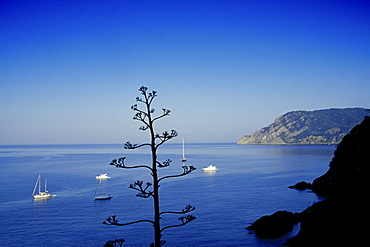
(100, 195)
(41, 194)
(183, 151)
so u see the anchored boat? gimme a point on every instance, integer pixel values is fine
(41, 194)
(103, 197)
(99, 195)
(210, 168)
(102, 176)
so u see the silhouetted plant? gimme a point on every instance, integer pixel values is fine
(151, 189)
(115, 243)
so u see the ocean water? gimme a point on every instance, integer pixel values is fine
(251, 182)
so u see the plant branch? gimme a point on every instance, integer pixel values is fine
(164, 163)
(113, 243)
(129, 145)
(135, 108)
(184, 219)
(186, 170)
(112, 221)
(188, 208)
(148, 96)
(165, 137)
(152, 95)
(141, 116)
(138, 185)
(121, 164)
(166, 112)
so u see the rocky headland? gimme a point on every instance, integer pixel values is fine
(327, 126)
(341, 218)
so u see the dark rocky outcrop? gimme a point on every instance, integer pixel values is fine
(349, 169)
(327, 126)
(301, 186)
(275, 225)
(332, 223)
(341, 219)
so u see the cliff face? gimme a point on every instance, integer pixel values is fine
(308, 127)
(349, 168)
(342, 218)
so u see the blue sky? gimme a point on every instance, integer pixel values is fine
(70, 70)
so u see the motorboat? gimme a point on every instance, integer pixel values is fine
(210, 168)
(102, 176)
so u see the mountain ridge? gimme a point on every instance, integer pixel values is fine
(325, 126)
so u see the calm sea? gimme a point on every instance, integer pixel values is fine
(251, 182)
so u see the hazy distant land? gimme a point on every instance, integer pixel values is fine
(326, 126)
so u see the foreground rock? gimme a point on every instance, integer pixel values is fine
(341, 219)
(308, 127)
(275, 225)
(349, 169)
(332, 223)
(301, 186)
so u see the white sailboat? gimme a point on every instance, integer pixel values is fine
(99, 195)
(41, 194)
(183, 151)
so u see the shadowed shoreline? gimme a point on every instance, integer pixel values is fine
(339, 219)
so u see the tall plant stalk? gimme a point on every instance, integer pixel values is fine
(147, 118)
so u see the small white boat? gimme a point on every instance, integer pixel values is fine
(103, 197)
(102, 176)
(210, 168)
(41, 194)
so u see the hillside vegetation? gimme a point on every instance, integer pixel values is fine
(327, 126)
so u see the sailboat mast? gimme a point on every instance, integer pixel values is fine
(183, 151)
(37, 182)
